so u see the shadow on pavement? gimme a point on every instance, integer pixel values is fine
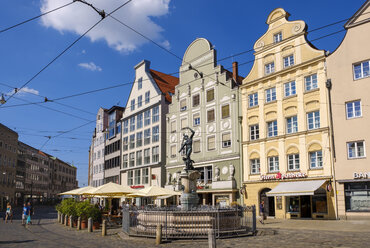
(16, 241)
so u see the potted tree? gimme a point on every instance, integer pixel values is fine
(82, 210)
(96, 216)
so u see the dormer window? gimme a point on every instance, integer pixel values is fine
(278, 37)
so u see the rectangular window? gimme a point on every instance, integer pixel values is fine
(362, 70)
(316, 159)
(357, 196)
(130, 177)
(211, 141)
(147, 136)
(270, 95)
(125, 144)
(273, 164)
(132, 124)
(139, 121)
(272, 129)
(132, 159)
(310, 82)
(145, 175)
(125, 161)
(278, 37)
(132, 141)
(155, 133)
(183, 105)
(139, 101)
(254, 132)
(225, 111)
(226, 140)
(293, 162)
(147, 118)
(137, 176)
(140, 83)
(196, 119)
(139, 158)
(313, 120)
(125, 126)
(184, 123)
(291, 124)
(255, 166)
(155, 154)
(173, 127)
(155, 114)
(196, 100)
(211, 115)
(353, 109)
(147, 156)
(139, 139)
(269, 68)
(356, 149)
(173, 151)
(289, 89)
(210, 95)
(147, 97)
(288, 61)
(196, 146)
(132, 104)
(253, 100)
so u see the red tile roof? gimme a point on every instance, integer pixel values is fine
(166, 83)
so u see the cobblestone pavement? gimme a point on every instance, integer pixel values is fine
(45, 232)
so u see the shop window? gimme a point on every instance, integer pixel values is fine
(357, 197)
(319, 203)
(293, 204)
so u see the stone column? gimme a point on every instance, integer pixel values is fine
(79, 223)
(89, 225)
(70, 221)
(189, 198)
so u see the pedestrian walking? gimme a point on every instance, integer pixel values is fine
(262, 212)
(29, 214)
(9, 213)
(24, 214)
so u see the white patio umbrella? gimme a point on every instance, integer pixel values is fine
(154, 191)
(78, 191)
(111, 189)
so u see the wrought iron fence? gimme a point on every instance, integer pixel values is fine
(178, 224)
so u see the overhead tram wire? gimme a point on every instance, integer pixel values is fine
(123, 84)
(65, 50)
(36, 17)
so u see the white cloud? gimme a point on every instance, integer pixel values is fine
(24, 90)
(78, 17)
(90, 66)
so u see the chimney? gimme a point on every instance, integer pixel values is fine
(235, 72)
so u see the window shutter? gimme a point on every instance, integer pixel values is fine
(225, 111)
(226, 137)
(211, 143)
(210, 95)
(210, 115)
(197, 146)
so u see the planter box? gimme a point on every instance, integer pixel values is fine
(83, 224)
(96, 225)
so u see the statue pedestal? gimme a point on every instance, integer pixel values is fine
(189, 198)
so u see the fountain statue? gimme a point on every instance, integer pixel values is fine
(189, 197)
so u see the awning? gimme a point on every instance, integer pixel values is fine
(296, 188)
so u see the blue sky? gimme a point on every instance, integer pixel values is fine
(108, 56)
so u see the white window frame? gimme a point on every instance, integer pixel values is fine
(275, 164)
(196, 121)
(145, 176)
(193, 100)
(317, 164)
(253, 99)
(362, 72)
(215, 147)
(269, 68)
(132, 104)
(132, 141)
(130, 177)
(255, 166)
(139, 158)
(274, 129)
(147, 97)
(139, 101)
(254, 132)
(288, 61)
(140, 83)
(139, 121)
(147, 136)
(310, 82)
(139, 139)
(226, 143)
(290, 89)
(278, 37)
(155, 135)
(131, 158)
(146, 160)
(155, 156)
(270, 94)
(355, 112)
(213, 94)
(155, 114)
(147, 117)
(356, 149)
(132, 124)
(315, 120)
(294, 158)
(293, 125)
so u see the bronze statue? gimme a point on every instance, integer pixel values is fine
(187, 145)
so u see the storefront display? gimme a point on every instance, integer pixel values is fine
(357, 197)
(293, 204)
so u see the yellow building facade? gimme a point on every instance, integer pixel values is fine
(286, 140)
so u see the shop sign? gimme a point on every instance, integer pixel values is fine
(280, 176)
(137, 186)
(361, 175)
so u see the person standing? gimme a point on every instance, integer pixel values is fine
(9, 213)
(24, 214)
(29, 213)
(262, 212)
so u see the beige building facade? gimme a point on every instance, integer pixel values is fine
(286, 142)
(348, 70)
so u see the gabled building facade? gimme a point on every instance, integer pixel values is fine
(207, 101)
(144, 128)
(112, 150)
(286, 144)
(97, 148)
(349, 74)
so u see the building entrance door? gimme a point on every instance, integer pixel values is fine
(269, 202)
(306, 206)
